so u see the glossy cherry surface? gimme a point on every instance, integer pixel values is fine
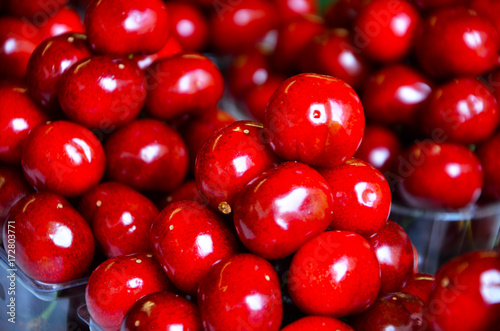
(292, 9)
(66, 20)
(242, 290)
(172, 47)
(315, 119)
(362, 197)
(147, 155)
(162, 311)
(436, 175)
(334, 274)
(63, 158)
(282, 209)
(103, 92)
(32, 9)
(117, 283)
(187, 83)
(490, 160)
(419, 285)
(188, 25)
(488, 8)
(18, 116)
(187, 191)
(52, 242)
(13, 187)
(317, 323)
(230, 159)
(187, 239)
(127, 27)
(247, 70)
(257, 98)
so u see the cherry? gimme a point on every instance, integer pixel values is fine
(257, 98)
(50, 60)
(419, 285)
(243, 291)
(188, 25)
(289, 10)
(117, 283)
(362, 197)
(228, 160)
(315, 119)
(186, 83)
(147, 155)
(64, 21)
(343, 13)
(488, 154)
(247, 70)
(434, 4)
(121, 219)
(187, 191)
(488, 8)
(334, 274)
(33, 9)
(52, 242)
(162, 311)
(463, 109)
(13, 187)
(317, 323)
(103, 92)
(172, 47)
(434, 175)
(18, 116)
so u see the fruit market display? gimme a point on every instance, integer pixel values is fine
(231, 164)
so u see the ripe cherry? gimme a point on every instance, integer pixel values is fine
(488, 154)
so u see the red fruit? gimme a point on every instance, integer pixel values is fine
(127, 26)
(464, 110)
(419, 285)
(470, 40)
(117, 283)
(147, 155)
(247, 70)
(103, 92)
(187, 239)
(64, 21)
(292, 9)
(188, 25)
(317, 323)
(228, 160)
(241, 291)
(334, 274)
(257, 98)
(52, 243)
(362, 197)
(465, 295)
(187, 191)
(433, 4)
(172, 47)
(162, 311)
(343, 13)
(488, 8)
(50, 60)
(18, 116)
(436, 175)
(186, 83)
(63, 158)
(33, 9)
(282, 209)
(490, 160)
(315, 119)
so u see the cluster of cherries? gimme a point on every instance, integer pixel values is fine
(113, 149)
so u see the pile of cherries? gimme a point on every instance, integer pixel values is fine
(117, 163)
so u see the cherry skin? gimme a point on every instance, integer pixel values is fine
(439, 176)
(470, 40)
(187, 191)
(103, 92)
(188, 25)
(13, 187)
(247, 70)
(419, 285)
(488, 8)
(228, 160)
(172, 47)
(289, 10)
(50, 60)
(32, 9)
(162, 311)
(228, 295)
(18, 116)
(395, 94)
(465, 295)
(127, 27)
(117, 283)
(64, 21)
(488, 154)
(343, 13)
(63, 158)
(283, 208)
(315, 119)
(317, 323)
(257, 98)
(464, 109)
(362, 197)
(334, 274)
(434, 4)
(53, 243)
(147, 155)
(187, 239)
(187, 83)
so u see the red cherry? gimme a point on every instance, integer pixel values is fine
(147, 155)
(465, 295)
(18, 116)
(317, 323)
(362, 197)
(121, 218)
(242, 291)
(52, 242)
(315, 119)
(436, 175)
(127, 26)
(433, 4)
(334, 274)
(343, 13)
(49, 61)
(63, 158)
(488, 8)
(188, 25)
(187, 191)
(103, 92)
(172, 47)
(33, 9)
(64, 21)
(464, 110)
(162, 311)
(292, 9)
(228, 160)
(457, 41)
(490, 160)
(419, 285)
(13, 187)
(186, 83)
(257, 98)
(116, 284)
(282, 209)
(247, 70)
